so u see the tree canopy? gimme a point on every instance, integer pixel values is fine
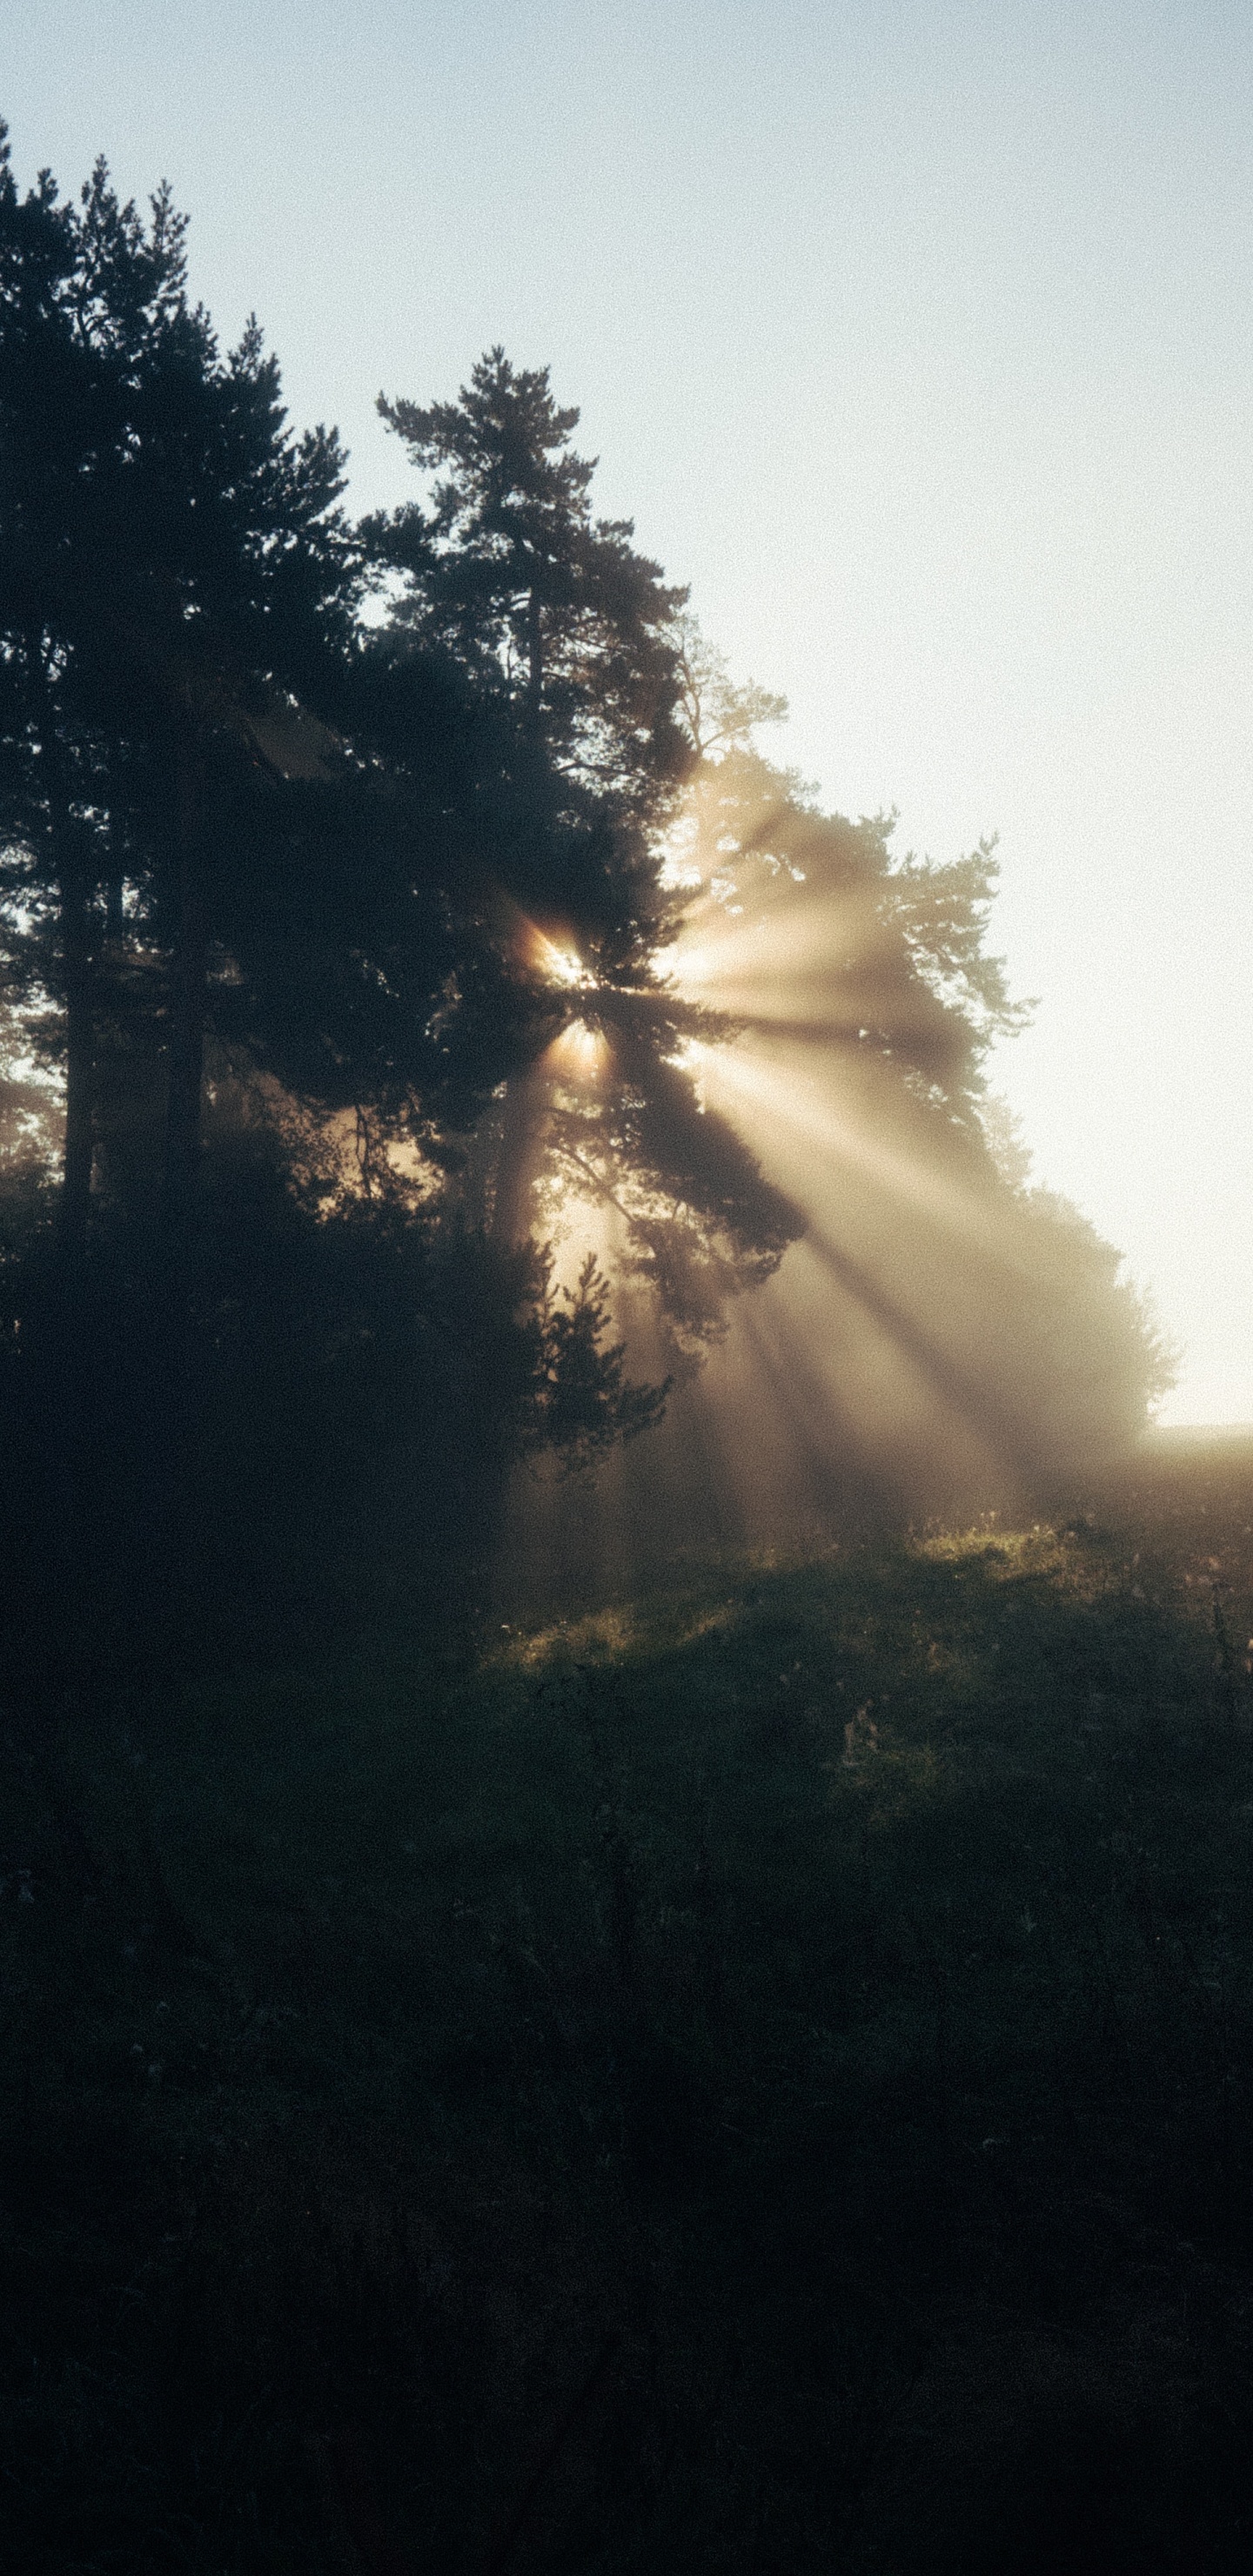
(342, 867)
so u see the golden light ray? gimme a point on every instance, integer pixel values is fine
(857, 1380)
(770, 1100)
(804, 1139)
(560, 965)
(581, 1223)
(579, 1052)
(808, 1402)
(578, 1055)
(713, 948)
(893, 1361)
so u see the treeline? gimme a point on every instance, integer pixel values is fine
(338, 894)
(293, 809)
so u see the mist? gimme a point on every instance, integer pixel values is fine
(940, 1339)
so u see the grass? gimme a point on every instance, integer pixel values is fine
(755, 2078)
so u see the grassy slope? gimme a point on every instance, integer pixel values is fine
(801, 2024)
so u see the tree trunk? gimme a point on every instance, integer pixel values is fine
(535, 662)
(187, 1025)
(518, 1158)
(69, 1418)
(75, 1201)
(172, 1538)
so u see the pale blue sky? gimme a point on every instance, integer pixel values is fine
(917, 338)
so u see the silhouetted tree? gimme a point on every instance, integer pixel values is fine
(565, 634)
(229, 822)
(175, 571)
(573, 650)
(83, 291)
(350, 944)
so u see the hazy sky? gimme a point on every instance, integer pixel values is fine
(915, 337)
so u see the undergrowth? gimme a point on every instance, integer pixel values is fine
(755, 2078)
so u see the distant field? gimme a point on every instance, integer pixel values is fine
(757, 2078)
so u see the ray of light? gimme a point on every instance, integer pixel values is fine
(578, 1055)
(898, 1359)
(870, 1406)
(560, 965)
(713, 948)
(773, 1103)
(950, 1378)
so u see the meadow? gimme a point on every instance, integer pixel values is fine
(755, 2077)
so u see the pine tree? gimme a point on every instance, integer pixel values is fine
(176, 577)
(566, 635)
(83, 291)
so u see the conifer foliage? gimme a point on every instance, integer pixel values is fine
(337, 902)
(563, 630)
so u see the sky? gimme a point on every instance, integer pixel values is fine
(916, 338)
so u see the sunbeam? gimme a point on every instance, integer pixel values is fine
(815, 1144)
(938, 1339)
(578, 1055)
(559, 965)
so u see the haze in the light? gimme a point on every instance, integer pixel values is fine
(917, 338)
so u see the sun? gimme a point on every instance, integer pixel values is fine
(561, 965)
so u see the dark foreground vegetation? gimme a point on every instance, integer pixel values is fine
(757, 2078)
